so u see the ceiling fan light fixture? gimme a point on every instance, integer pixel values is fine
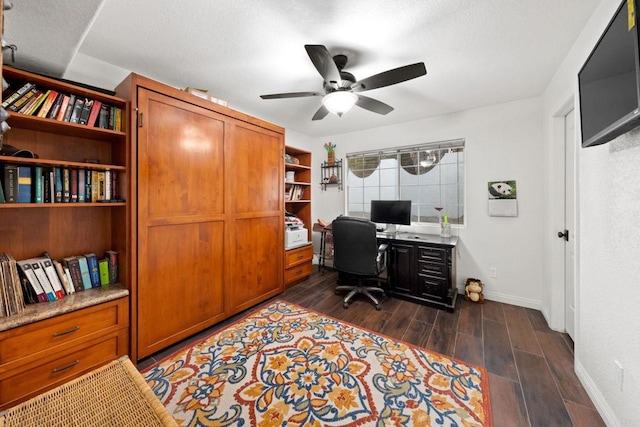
(340, 101)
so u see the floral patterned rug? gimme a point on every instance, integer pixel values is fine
(287, 365)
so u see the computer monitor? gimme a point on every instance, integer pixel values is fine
(391, 213)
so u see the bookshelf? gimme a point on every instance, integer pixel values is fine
(63, 230)
(298, 261)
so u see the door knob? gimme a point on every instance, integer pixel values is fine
(564, 235)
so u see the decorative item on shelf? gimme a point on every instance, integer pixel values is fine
(290, 176)
(333, 179)
(445, 226)
(331, 153)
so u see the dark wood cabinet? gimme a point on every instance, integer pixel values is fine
(422, 269)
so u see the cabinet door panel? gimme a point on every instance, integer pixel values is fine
(402, 268)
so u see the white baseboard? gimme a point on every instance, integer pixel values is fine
(509, 299)
(605, 411)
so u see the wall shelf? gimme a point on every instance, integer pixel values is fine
(331, 174)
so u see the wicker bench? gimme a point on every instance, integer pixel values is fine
(112, 395)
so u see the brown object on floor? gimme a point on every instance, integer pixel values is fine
(112, 395)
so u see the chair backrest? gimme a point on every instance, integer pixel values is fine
(355, 246)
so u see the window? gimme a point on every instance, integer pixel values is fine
(430, 175)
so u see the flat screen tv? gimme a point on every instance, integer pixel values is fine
(391, 212)
(609, 82)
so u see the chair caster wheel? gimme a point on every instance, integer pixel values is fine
(378, 307)
(345, 304)
(337, 292)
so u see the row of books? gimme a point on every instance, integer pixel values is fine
(43, 279)
(26, 98)
(293, 193)
(37, 184)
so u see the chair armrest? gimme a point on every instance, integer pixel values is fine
(381, 258)
(383, 247)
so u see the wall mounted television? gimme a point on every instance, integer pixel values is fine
(609, 81)
(391, 213)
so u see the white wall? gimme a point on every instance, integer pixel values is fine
(608, 299)
(503, 142)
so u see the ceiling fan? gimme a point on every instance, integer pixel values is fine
(341, 89)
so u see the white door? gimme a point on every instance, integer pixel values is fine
(570, 142)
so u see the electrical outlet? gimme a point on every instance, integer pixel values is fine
(619, 375)
(493, 272)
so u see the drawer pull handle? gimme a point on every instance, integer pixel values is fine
(65, 367)
(68, 331)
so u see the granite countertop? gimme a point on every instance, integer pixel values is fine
(44, 310)
(422, 238)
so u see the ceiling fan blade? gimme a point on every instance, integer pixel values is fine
(323, 61)
(321, 113)
(391, 77)
(291, 95)
(373, 105)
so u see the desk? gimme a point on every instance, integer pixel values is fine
(422, 268)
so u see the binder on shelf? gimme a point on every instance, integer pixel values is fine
(10, 183)
(27, 270)
(42, 278)
(50, 271)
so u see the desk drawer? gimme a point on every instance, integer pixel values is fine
(294, 273)
(432, 254)
(298, 256)
(47, 335)
(432, 269)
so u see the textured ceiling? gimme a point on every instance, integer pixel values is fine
(476, 52)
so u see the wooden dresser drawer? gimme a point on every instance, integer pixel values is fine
(30, 380)
(298, 256)
(46, 335)
(432, 254)
(298, 272)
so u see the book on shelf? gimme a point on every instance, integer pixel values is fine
(95, 189)
(66, 285)
(103, 117)
(101, 186)
(57, 174)
(70, 107)
(88, 174)
(1, 193)
(31, 102)
(43, 280)
(38, 185)
(53, 111)
(63, 108)
(46, 105)
(33, 107)
(66, 185)
(94, 271)
(11, 296)
(23, 100)
(82, 186)
(84, 270)
(24, 184)
(73, 176)
(93, 114)
(73, 265)
(107, 184)
(86, 110)
(10, 183)
(6, 103)
(103, 267)
(112, 258)
(78, 106)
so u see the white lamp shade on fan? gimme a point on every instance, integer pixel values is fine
(339, 102)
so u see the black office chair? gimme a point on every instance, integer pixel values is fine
(357, 256)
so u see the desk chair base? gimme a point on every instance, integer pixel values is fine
(359, 289)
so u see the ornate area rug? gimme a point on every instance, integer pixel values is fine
(284, 365)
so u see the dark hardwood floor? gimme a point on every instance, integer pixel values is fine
(531, 377)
